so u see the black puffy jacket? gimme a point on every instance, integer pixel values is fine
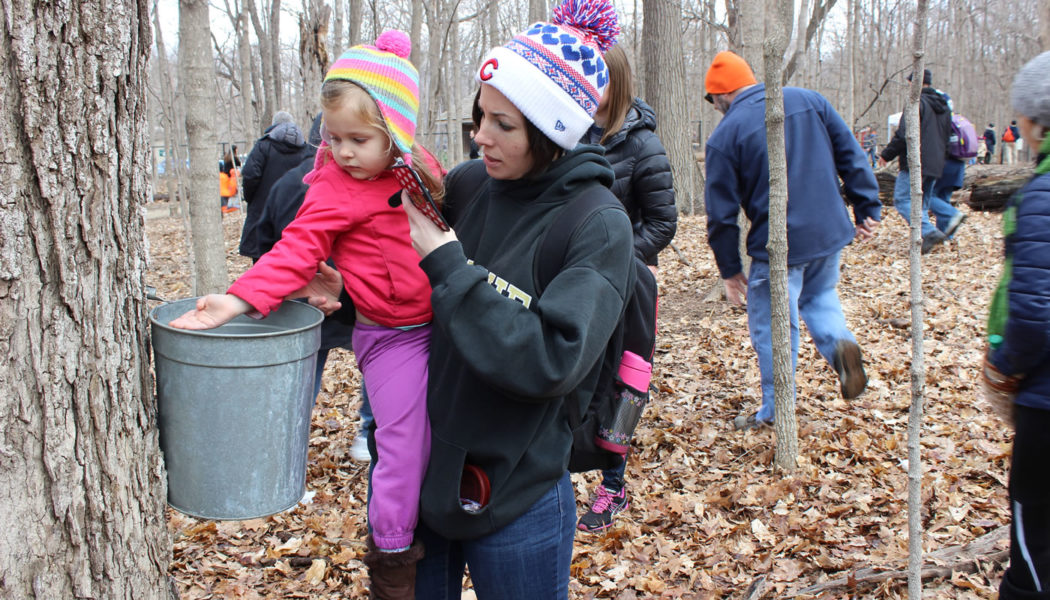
(280, 150)
(643, 180)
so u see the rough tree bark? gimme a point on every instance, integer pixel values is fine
(313, 54)
(197, 72)
(918, 368)
(81, 479)
(274, 39)
(664, 88)
(778, 24)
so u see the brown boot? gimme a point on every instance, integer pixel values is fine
(393, 574)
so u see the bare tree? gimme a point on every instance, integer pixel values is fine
(195, 86)
(356, 19)
(337, 28)
(781, 16)
(249, 117)
(313, 54)
(81, 477)
(273, 38)
(664, 89)
(537, 11)
(816, 19)
(269, 81)
(918, 368)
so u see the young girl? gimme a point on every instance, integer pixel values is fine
(1016, 370)
(369, 100)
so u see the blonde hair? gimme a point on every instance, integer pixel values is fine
(342, 94)
(619, 94)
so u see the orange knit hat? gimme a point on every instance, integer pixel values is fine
(728, 73)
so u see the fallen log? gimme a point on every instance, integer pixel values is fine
(941, 563)
(992, 194)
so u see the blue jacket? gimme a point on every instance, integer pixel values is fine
(1025, 350)
(820, 149)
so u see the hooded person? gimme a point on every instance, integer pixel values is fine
(281, 148)
(935, 126)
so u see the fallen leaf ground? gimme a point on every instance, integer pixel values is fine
(708, 512)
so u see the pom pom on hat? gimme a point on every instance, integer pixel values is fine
(396, 42)
(389, 78)
(596, 19)
(554, 72)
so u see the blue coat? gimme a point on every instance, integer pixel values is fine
(820, 149)
(1025, 350)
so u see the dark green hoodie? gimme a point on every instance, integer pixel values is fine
(503, 361)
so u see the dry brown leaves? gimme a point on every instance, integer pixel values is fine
(708, 513)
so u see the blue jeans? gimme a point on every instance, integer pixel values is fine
(366, 410)
(902, 200)
(612, 479)
(941, 194)
(527, 559)
(811, 293)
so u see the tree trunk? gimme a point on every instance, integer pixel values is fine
(781, 17)
(171, 123)
(313, 54)
(416, 33)
(266, 63)
(851, 62)
(356, 18)
(662, 44)
(195, 83)
(81, 478)
(337, 30)
(274, 39)
(537, 11)
(452, 76)
(918, 369)
(249, 84)
(752, 32)
(1044, 22)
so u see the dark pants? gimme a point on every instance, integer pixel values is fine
(1029, 573)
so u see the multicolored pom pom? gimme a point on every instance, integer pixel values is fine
(596, 18)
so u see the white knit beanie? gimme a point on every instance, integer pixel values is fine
(1030, 95)
(554, 72)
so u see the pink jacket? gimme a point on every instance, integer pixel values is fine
(352, 222)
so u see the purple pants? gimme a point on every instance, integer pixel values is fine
(394, 365)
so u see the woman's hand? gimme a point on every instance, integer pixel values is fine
(426, 236)
(212, 310)
(323, 291)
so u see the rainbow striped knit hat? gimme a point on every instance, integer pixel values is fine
(384, 71)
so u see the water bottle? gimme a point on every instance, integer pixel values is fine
(632, 392)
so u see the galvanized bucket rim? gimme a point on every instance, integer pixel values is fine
(216, 333)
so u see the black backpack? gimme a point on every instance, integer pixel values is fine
(636, 330)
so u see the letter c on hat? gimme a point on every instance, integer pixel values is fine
(484, 74)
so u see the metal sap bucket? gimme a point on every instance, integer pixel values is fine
(234, 407)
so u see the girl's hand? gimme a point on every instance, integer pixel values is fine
(426, 236)
(212, 310)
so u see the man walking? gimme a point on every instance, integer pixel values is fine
(820, 149)
(935, 125)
